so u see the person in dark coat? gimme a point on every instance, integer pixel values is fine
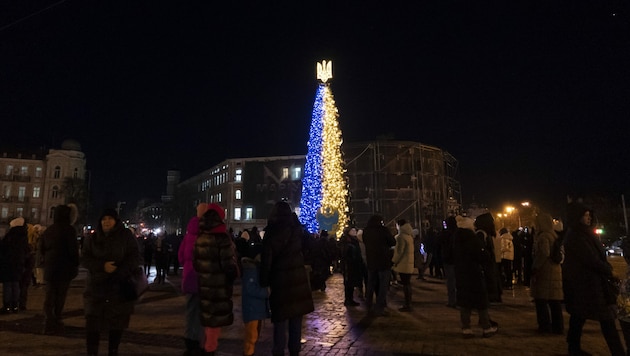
(321, 259)
(470, 257)
(351, 264)
(60, 251)
(485, 230)
(14, 250)
(283, 271)
(110, 256)
(378, 242)
(585, 271)
(215, 263)
(148, 252)
(446, 248)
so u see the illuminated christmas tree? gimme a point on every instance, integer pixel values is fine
(324, 204)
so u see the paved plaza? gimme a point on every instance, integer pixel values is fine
(431, 329)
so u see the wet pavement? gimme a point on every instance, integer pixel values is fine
(431, 328)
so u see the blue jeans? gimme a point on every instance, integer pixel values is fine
(294, 326)
(193, 329)
(378, 282)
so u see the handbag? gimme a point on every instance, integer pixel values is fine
(134, 286)
(612, 287)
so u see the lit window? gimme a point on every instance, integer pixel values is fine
(9, 170)
(238, 176)
(21, 193)
(285, 172)
(237, 213)
(52, 213)
(219, 198)
(57, 173)
(19, 211)
(36, 192)
(297, 173)
(237, 194)
(5, 212)
(249, 213)
(24, 171)
(38, 172)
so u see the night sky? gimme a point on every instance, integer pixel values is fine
(532, 98)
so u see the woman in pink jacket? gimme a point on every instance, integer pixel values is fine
(194, 333)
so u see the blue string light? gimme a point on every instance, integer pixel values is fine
(311, 199)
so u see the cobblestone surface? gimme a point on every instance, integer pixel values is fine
(431, 329)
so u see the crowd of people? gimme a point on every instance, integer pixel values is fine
(281, 267)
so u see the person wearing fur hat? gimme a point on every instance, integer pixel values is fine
(585, 272)
(470, 258)
(193, 332)
(60, 253)
(14, 250)
(110, 256)
(546, 281)
(215, 263)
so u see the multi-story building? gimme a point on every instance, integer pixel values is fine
(32, 183)
(398, 179)
(246, 187)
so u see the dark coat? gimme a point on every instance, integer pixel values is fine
(470, 257)
(104, 299)
(215, 263)
(282, 266)
(584, 271)
(59, 248)
(14, 251)
(352, 261)
(378, 242)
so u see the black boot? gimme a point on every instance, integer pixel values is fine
(192, 347)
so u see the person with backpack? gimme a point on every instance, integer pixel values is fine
(546, 281)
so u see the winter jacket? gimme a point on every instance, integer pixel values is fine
(507, 247)
(403, 252)
(14, 252)
(378, 242)
(470, 257)
(190, 283)
(282, 266)
(584, 272)
(547, 275)
(215, 264)
(103, 295)
(255, 299)
(59, 248)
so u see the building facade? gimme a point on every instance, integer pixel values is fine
(247, 188)
(397, 179)
(32, 183)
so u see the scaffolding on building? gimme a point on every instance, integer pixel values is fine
(401, 180)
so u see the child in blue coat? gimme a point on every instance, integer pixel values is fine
(255, 299)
